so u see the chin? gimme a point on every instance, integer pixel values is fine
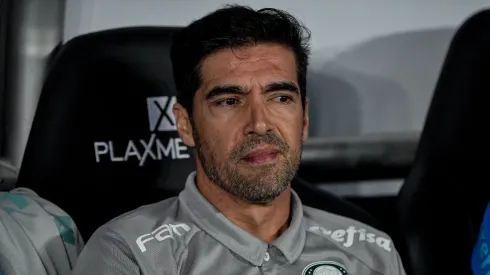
(263, 169)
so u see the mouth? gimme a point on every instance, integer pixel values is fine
(262, 155)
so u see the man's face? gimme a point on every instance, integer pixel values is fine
(248, 121)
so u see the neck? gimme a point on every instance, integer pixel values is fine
(266, 222)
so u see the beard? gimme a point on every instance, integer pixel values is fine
(255, 185)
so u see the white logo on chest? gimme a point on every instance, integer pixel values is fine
(350, 235)
(163, 232)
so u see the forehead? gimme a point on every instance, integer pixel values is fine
(258, 63)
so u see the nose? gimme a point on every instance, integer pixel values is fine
(258, 119)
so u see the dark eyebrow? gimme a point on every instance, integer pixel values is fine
(282, 86)
(238, 90)
(224, 90)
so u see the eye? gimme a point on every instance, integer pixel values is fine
(283, 99)
(227, 102)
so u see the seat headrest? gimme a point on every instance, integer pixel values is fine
(454, 144)
(447, 178)
(455, 124)
(104, 120)
(106, 112)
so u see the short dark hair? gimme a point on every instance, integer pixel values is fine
(229, 27)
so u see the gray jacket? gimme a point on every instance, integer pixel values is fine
(36, 236)
(186, 235)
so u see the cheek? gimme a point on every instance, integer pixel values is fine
(216, 141)
(292, 129)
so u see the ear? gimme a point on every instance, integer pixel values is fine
(184, 125)
(306, 120)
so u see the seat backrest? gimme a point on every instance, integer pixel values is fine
(321, 199)
(103, 141)
(442, 201)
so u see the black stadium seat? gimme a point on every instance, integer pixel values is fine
(103, 140)
(442, 202)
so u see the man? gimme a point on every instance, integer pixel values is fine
(241, 78)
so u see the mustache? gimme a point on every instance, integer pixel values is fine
(252, 141)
